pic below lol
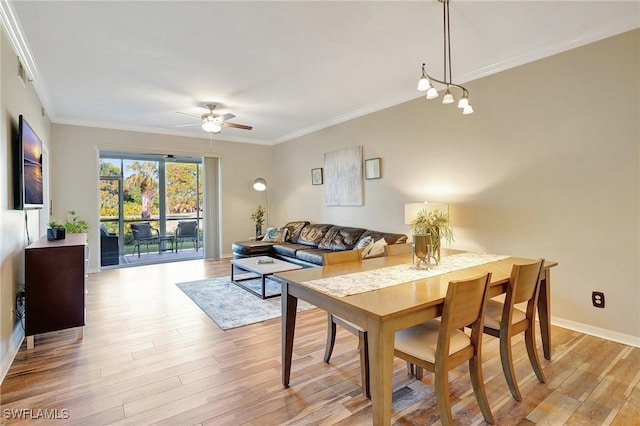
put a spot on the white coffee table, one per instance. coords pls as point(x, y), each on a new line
point(261, 266)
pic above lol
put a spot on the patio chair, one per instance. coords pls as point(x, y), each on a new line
point(143, 233)
point(187, 230)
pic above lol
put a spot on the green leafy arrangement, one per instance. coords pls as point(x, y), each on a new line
point(258, 215)
point(73, 225)
point(436, 223)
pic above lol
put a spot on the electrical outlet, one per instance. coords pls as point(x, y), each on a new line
point(597, 298)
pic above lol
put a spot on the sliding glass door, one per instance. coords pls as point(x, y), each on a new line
point(162, 191)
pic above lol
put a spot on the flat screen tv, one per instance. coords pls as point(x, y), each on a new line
point(27, 178)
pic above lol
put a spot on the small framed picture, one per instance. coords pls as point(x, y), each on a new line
point(372, 168)
point(316, 176)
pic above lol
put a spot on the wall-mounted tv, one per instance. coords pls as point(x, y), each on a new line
point(27, 176)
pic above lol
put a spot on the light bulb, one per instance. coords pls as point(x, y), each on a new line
point(467, 110)
point(423, 84)
point(432, 93)
point(448, 98)
point(462, 103)
point(211, 127)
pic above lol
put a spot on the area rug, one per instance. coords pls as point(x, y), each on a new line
point(230, 306)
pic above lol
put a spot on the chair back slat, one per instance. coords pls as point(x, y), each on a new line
point(394, 249)
point(464, 301)
point(187, 229)
point(524, 281)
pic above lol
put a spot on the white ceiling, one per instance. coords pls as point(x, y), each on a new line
point(286, 68)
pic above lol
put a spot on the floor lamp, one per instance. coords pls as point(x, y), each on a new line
point(261, 185)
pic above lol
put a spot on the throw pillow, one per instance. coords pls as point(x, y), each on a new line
point(377, 248)
point(276, 235)
point(365, 245)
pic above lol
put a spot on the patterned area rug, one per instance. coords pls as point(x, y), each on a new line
point(230, 306)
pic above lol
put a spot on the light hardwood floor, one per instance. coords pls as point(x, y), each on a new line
point(151, 356)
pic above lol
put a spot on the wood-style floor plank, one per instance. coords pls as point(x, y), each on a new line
point(151, 356)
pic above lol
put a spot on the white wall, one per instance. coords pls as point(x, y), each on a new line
point(16, 98)
point(74, 163)
point(547, 166)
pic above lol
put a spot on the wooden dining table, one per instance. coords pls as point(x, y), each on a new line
point(383, 311)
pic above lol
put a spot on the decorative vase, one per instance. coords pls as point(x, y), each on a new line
point(423, 251)
point(258, 230)
point(56, 234)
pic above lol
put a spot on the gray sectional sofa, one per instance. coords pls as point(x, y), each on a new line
point(306, 243)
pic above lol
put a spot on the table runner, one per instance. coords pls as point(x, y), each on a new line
point(360, 282)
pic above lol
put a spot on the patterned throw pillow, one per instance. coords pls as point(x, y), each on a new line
point(365, 244)
point(377, 248)
point(276, 235)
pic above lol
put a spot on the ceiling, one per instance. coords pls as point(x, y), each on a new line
point(286, 68)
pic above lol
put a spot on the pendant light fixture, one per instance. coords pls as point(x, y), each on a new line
point(426, 81)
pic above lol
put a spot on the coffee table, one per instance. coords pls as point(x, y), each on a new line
point(261, 266)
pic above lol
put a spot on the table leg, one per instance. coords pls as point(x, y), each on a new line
point(381, 337)
point(264, 291)
point(289, 308)
point(544, 313)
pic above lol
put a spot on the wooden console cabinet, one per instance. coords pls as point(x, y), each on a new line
point(54, 285)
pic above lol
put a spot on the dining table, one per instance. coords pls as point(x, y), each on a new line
point(386, 294)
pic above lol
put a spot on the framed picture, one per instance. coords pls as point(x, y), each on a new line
point(372, 168)
point(316, 176)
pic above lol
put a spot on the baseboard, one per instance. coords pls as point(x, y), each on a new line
point(14, 346)
point(614, 336)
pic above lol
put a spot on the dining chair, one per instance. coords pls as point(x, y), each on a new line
point(394, 249)
point(439, 345)
point(333, 258)
point(504, 320)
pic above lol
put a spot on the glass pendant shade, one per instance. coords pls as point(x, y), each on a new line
point(432, 93)
point(211, 127)
point(448, 98)
point(467, 110)
point(423, 84)
point(462, 103)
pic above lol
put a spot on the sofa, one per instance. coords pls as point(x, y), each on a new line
point(304, 243)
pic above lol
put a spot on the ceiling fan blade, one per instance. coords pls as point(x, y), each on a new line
point(225, 117)
point(189, 115)
point(185, 125)
point(237, 126)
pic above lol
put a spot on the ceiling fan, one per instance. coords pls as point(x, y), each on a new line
point(212, 122)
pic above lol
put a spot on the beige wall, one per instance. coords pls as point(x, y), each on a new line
point(16, 99)
point(547, 166)
point(74, 161)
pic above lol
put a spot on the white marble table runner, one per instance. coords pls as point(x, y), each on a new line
point(360, 282)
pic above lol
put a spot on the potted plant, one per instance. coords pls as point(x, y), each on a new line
point(433, 225)
point(258, 217)
point(56, 231)
point(75, 225)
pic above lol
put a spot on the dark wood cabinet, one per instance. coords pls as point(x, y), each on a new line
point(55, 285)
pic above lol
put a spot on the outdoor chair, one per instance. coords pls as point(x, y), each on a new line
point(333, 258)
point(187, 230)
point(504, 320)
point(143, 233)
point(439, 345)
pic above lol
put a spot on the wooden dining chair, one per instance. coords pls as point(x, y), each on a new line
point(394, 249)
point(439, 345)
point(504, 320)
point(333, 258)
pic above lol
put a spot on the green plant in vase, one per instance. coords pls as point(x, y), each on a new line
point(258, 217)
point(74, 224)
point(434, 223)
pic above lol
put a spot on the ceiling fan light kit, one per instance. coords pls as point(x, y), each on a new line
point(212, 123)
point(426, 81)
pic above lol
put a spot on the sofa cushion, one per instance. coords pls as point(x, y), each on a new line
point(376, 249)
point(315, 256)
point(390, 238)
point(294, 229)
point(251, 248)
point(365, 245)
point(312, 234)
point(340, 238)
point(288, 249)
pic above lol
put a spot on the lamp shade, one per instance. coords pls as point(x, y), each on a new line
point(411, 210)
point(260, 184)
